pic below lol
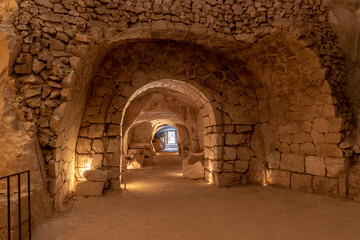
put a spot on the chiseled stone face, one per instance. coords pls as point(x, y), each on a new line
point(292, 162)
point(315, 165)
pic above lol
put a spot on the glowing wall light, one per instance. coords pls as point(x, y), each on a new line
point(266, 178)
point(211, 170)
point(84, 164)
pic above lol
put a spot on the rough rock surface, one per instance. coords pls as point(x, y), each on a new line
point(89, 188)
point(96, 175)
point(193, 168)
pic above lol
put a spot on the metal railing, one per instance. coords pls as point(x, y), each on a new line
point(19, 202)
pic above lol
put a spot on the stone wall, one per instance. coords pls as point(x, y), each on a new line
point(64, 43)
point(344, 18)
point(19, 149)
point(133, 66)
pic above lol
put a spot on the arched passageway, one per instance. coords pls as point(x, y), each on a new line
point(270, 76)
point(260, 85)
point(128, 93)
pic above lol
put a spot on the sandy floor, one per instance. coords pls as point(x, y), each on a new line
point(160, 204)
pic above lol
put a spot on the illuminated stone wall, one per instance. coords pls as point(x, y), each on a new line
point(270, 60)
point(221, 81)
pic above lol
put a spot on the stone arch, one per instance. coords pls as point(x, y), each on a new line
point(199, 98)
point(76, 45)
point(186, 90)
point(297, 139)
point(200, 68)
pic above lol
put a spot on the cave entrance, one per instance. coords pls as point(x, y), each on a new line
point(165, 139)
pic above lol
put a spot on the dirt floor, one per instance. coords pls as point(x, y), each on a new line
point(160, 204)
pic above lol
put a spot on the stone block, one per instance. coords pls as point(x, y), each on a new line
point(113, 145)
point(23, 68)
point(243, 153)
point(307, 148)
point(329, 111)
point(235, 139)
point(96, 131)
point(292, 162)
point(83, 145)
point(227, 179)
point(315, 165)
point(96, 161)
point(321, 125)
point(33, 102)
point(317, 137)
point(95, 175)
point(83, 132)
point(278, 178)
point(229, 153)
point(301, 182)
point(32, 79)
point(336, 166)
point(89, 188)
point(97, 145)
point(31, 91)
point(325, 185)
point(241, 166)
point(193, 171)
point(37, 66)
point(328, 150)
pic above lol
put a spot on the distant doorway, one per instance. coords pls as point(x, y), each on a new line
point(166, 139)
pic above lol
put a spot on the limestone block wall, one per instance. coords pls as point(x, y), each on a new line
point(298, 138)
point(132, 66)
point(344, 18)
point(64, 43)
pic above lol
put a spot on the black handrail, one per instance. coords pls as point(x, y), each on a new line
point(19, 202)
